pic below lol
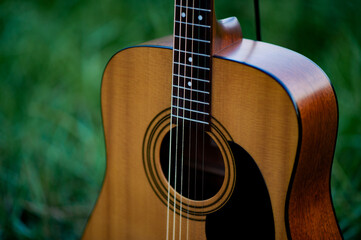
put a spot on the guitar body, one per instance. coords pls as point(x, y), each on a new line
point(274, 121)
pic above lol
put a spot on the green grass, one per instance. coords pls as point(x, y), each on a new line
point(52, 55)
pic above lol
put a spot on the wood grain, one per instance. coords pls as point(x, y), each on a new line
point(228, 31)
point(275, 103)
point(310, 212)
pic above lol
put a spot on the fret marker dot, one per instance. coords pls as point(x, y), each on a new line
point(190, 59)
point(200, 17)
point(183, 14)
point(189, 84)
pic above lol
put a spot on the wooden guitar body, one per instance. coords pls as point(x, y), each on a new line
point(274, 119)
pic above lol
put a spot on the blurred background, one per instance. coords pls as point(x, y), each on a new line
point(52, 56)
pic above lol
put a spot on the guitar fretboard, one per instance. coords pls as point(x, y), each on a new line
point(191, 89)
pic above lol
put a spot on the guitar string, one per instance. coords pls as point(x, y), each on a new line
point(206, 19)
point(197, 73)
point(171, 131)
point(191, 103)
point(170, 139)
point(183, 123)
point(203, 127)
point(177, 133)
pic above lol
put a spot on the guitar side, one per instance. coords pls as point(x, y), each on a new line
point(276, 104)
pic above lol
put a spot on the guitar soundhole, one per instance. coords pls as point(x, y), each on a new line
point(197, 167)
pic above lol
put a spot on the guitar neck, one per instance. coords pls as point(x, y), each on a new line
point(192, 61)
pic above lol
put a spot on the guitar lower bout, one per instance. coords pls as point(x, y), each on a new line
point(272, 110)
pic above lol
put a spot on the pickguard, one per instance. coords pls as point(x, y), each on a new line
point(248, 213)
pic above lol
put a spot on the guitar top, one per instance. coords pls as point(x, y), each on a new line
point(212, 136)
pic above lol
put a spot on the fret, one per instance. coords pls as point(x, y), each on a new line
point(190, 89)
point(190, 100)
point(194, 107)
point(189, 45)
point(192, 66)
point(189, 31)
point(194, 16)
point(191, 78)
point(194, 85)
point(191, 95)
point(193, 53)
point(193, 24)
point(190, 110)
point(203, 4)
point(194, 8)
point(189, 119)
point(192, 59)
point(193, 39)
point(192, 30)
point(188, 71)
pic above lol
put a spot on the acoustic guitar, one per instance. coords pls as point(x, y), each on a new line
point(213, 136)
